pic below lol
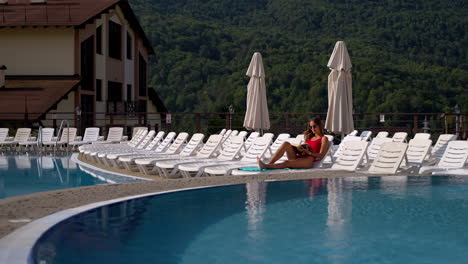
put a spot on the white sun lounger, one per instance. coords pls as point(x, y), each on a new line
point(454, 157)
point(352, 154)
point(365, 135)
point(400, 137)
point(389, 158)
point(229, 153)
point(440, 146)
point(259, 147)
point(249, 140)
point(354, 133)
point(111, 159)
point(168, 168)
point(177, 149)
point(108, 158)
point(114, 158)
point(417, 151)
point(382, 134)
point(112, 148)
point(45, 135)
point(276, 144)
point(374, 147)
point(87, 149)
point(3, 136)
point(22, 135)
point(91, 135)
point(114, 135)
point(422, 136)
point(68, 135)
point(221, 133)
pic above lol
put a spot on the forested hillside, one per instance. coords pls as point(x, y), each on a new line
point(408, 56)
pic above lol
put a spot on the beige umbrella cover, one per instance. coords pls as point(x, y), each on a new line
point(256, 115)
point(340, 97)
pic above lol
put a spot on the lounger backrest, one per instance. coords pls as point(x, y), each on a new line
point(258, 148)
point(114, 134)
point(222, 132)
point(22, 134)
point(139, 136)
point(279, 140)
point(365, 135)
point(146, 140)
point(226, 141)
point(231, 150)
point(226, 134)
point(382, 134)
point(345, 139)
point(441, 145)
point(166, 143)
point(135, 129)
point(156, 140)
point(243, 134)
point(417, 150)
point(210, 147)
point(400, 137)
point(422, 136)
point(354, 133)
point(250, 139)
point(68, 135)
point(269, 135)
point(351, 156)
point(193, 145)
point(178, 143)
point(455, 155)
point(46, 134)
point(301, 138)
point(375, 146)
point(3, 134)
point(91, 134)
point(389, 158)
point(319, 163)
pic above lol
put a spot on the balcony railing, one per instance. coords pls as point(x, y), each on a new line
point(118, 114)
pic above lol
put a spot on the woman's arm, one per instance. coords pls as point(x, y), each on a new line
point(323, 149)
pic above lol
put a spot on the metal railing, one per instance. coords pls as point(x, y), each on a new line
point(212, 122)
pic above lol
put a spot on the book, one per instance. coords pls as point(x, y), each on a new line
point(302, 148)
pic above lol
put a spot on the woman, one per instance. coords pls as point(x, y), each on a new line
point(300, 157)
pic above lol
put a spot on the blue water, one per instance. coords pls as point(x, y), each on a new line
point(358, 220)
point(26, 174)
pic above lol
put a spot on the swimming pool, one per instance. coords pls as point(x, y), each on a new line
point(24, 174)
point(350, 220)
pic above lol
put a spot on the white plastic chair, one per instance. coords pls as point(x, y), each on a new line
point(454, 157)
point(417, 151)
point(382, 134)
point(422, 136)
point(389, 158)
point(400, 137)
point(351, 155)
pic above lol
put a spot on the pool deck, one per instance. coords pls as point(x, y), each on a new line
point(18, 211)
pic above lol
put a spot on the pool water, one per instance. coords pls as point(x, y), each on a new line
point(352, 220)
point(26, 174)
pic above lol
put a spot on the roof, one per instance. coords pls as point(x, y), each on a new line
point(65, 13)
point(33, 95)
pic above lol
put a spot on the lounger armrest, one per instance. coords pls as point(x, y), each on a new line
point(79, 138)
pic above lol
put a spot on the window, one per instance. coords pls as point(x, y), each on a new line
point(142, 76)
point(129, 46)
point(114, 91)
point(99, 40)
point(115, 40)
point(98, 90)
point(129, 92)
point(87, 64)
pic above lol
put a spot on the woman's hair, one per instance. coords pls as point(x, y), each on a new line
point(308, 134)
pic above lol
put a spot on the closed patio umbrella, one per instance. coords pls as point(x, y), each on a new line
point(256, 115)
point(340, 97)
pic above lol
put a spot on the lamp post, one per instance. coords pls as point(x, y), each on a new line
point(78, 118)
point(231, 112)
point(457, 120)
point(425, 125)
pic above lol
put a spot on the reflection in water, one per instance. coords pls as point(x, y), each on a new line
point(395, 185)
point(314, 187)
point(255, 206)
point(339, 218)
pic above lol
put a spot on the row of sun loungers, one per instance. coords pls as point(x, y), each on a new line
point(174, 156)
point(67, 139)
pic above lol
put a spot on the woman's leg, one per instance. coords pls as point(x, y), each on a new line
point(285, 147)
point(302, 163)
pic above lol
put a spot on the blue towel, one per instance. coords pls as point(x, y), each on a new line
point(256, 169)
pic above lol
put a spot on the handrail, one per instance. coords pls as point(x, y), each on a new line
point(60, 133)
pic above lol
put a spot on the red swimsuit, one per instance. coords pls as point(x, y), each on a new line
point(315, 144)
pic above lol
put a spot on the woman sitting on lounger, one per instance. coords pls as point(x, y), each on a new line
point(301, 157)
